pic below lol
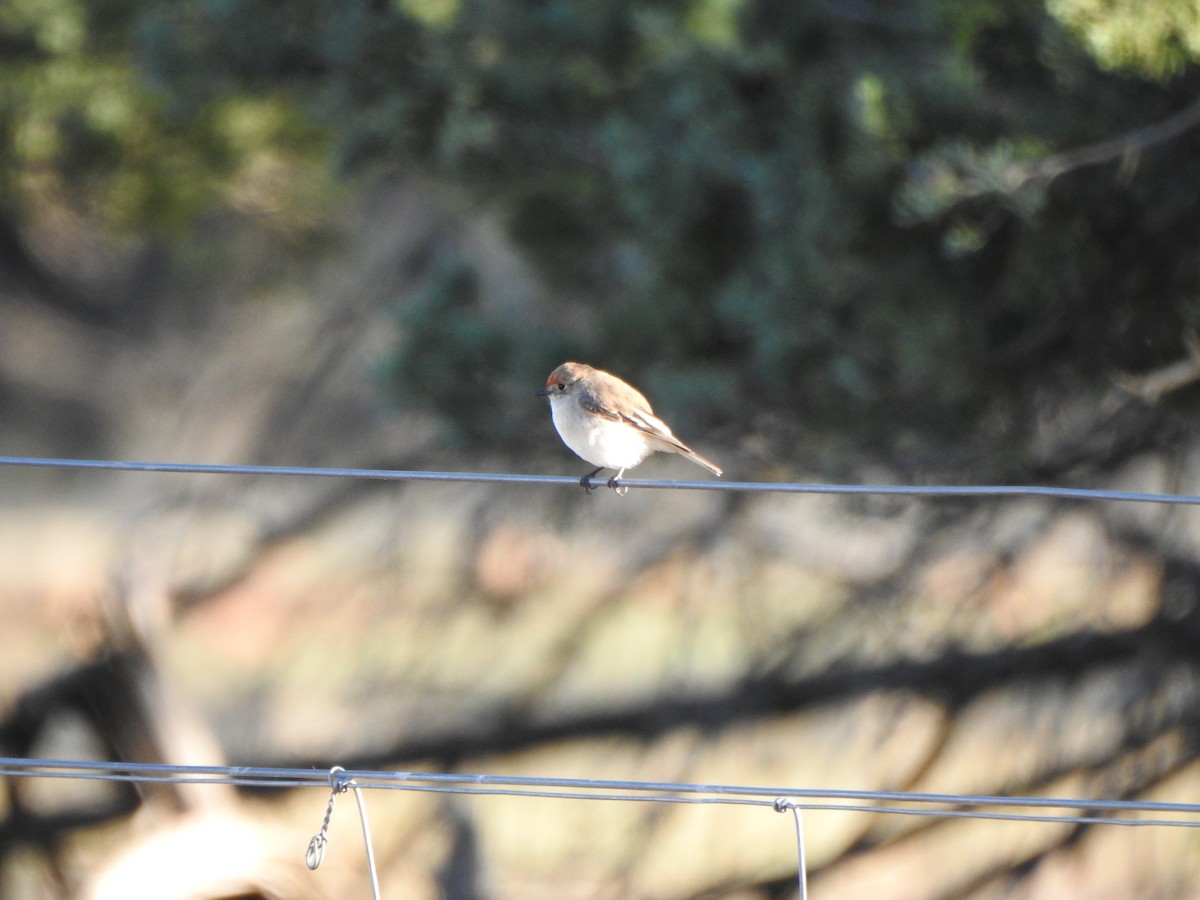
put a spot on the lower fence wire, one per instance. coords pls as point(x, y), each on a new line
point(1058, 810)
point(1077, 811)
point(1090, 810)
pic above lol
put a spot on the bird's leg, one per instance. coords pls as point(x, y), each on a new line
point(584, 482)
point(612, 483)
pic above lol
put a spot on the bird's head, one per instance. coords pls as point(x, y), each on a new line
point(562, 379)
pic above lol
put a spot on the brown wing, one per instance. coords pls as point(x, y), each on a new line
point(640, 418)
point(612, 394)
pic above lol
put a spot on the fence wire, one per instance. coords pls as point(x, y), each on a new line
point(1049, 810)
point(1030, 809)
point(755, 487)
point(1070, 810)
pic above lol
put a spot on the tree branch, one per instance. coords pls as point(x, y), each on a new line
point(1120, 147)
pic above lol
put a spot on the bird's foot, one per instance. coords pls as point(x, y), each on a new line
point(616, 485)
point(586, 481)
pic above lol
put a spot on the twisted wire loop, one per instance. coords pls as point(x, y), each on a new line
point(339, 784)
point(316, 851)
point(782, 804)
point(315, 854)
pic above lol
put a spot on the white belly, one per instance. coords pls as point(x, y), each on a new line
point(602, 442)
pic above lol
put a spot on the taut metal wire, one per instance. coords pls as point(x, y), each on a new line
point(758, 487)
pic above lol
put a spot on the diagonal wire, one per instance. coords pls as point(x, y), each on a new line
point(761, 487)
point(1090, 810)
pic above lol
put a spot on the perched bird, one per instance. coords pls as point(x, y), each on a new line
point(608, 422)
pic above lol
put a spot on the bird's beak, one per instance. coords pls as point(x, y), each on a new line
point(542, 393)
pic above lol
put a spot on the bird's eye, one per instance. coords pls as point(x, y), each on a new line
point(561, 386)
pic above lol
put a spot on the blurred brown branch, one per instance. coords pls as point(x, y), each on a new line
point(1121, 147)
point(1152, 385)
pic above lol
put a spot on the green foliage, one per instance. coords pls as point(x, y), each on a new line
point(454, 351)
point(820, 211)
point(951, 173)
point(443, 323)
point(824, 206)
point(81, 127)
point(1157, 39)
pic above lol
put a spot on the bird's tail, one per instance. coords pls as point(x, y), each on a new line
point(697, 458)
point(671, 444)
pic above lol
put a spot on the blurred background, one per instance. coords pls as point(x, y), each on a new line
point(917, 241)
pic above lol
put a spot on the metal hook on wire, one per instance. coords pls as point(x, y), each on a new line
point(339, 784)
point(782, 804)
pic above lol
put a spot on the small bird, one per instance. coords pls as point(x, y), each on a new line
point(608, 423)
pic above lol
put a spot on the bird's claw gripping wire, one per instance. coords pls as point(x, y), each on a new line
point(586, 482)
